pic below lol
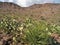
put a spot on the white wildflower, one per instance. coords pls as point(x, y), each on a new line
point(1, 22)
point(21, 28)
point(49, 33)
point(14, 20)
point(46, 29)
point(14, 38)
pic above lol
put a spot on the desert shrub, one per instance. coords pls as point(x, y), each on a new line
point(36, 33)
point(39, 32)
point(11, 26)
point(30, 32)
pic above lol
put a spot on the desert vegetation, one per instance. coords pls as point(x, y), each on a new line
point(28, 32)
point(35, 25)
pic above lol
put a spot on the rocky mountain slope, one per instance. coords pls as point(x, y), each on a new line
point(48, 12)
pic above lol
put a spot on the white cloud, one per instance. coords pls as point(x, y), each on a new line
point(2, 0)
point(10, 0)
point(26, 3)
point(48, 1)
point(21, 2)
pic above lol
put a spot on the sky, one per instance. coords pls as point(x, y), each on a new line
point(27, 3)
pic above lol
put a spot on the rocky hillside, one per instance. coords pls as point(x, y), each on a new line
point(48, 12)
point(10, 29)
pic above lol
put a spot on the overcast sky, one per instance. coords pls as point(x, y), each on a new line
point(26, 3)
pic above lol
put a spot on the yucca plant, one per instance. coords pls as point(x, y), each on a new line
point(36, 33)
point(39, 33)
